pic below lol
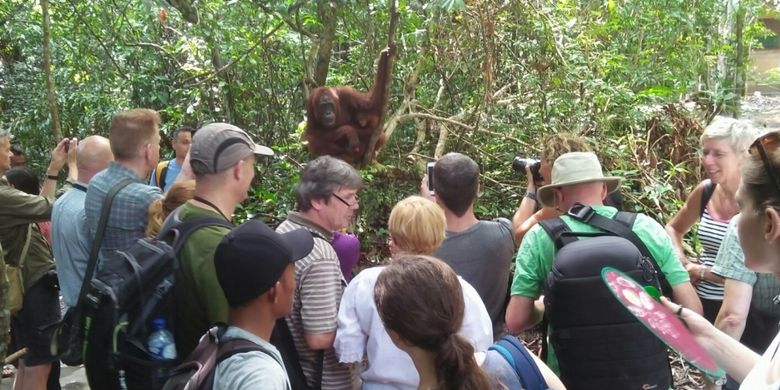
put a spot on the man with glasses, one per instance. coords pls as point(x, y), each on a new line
point(327, 200)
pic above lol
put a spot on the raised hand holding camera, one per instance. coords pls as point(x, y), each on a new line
point(522, 164)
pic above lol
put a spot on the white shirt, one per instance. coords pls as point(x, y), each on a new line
point(757, 378)
point(361, 333)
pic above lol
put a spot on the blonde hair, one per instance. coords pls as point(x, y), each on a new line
point(417, 225)
point(179, 193)
point(562, 143)
point(739, 133)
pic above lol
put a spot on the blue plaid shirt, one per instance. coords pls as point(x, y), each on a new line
point(128, 216)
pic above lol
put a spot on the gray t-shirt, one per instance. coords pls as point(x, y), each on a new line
point(483, 255)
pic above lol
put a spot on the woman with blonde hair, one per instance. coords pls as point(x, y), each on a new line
point(758, 228)
point(712, 204)
point(179, 193)
point(417, 226)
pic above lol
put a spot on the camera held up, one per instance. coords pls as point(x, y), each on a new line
point(519, 164)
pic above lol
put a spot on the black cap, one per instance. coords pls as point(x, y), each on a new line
point(251, 258)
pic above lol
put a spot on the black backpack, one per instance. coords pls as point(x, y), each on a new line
point(599, 344)
point(198, 369)
point(132, 288)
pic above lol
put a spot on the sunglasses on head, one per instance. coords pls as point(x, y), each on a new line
point(762, 147)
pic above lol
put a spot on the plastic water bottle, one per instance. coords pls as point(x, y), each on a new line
point(160, 343)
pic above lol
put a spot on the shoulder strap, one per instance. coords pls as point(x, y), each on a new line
point(101, 228)
point(161, 172)
point(236, 346)
point(26, 246)
point(182, 230)
point(706, 195)
point(282, 339)
point(555, 228)
point(620, 226)
point(518, 357)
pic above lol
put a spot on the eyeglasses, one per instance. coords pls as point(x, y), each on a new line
point(350, 205)
point(763, 146)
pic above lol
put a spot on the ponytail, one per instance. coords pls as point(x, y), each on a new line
point(456, 367)
point(421, 299)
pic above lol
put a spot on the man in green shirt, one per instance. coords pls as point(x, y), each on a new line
point(222, 157)
point(577, 178)
point(20, 235)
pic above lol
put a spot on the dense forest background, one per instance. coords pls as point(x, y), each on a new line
point(487, 78)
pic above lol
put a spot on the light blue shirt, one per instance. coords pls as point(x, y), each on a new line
point(170, 175)
point(70, 242)
point(254, 370)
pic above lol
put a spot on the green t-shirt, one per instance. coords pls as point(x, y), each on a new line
point(201, 302)
point(537, 252)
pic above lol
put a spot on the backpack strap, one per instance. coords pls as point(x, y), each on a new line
point(182, 230)
point(621, 227)
point(556, 229)
point(706, 195)
point(98, 239)
point(237, 346)
point(524, 365)
point(25, 248)
point(160, 172)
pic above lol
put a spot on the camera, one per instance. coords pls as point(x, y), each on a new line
point(429, 168)
point(519, 164)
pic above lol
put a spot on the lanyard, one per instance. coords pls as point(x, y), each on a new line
point(206, 202)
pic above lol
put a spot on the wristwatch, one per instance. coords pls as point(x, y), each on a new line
point(530, 195)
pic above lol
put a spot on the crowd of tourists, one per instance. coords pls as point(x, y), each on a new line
point(280, 308)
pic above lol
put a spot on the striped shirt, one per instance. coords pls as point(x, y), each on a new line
point(319, 286)
point(731, 264)
point(711, 233)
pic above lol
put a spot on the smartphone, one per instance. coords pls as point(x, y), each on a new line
point(67, 145)
point(429, 166)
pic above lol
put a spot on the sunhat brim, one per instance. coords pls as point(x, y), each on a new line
point(546, 195)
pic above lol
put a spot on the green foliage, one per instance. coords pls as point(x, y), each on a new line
point(510, 73)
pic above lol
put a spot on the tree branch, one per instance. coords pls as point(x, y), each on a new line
point(371, 147)
point(158, 47)
point(294, 25)
point(234, 61)
point(100, 41)
point(51, 97)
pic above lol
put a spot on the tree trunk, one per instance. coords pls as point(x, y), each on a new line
point(50, 95)
point(740, 63)
point(326, 11)
point(228, 100)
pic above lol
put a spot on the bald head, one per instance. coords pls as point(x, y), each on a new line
point(93, 155)
point(590, 194)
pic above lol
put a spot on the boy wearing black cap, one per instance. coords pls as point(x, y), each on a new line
point(254, 266)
